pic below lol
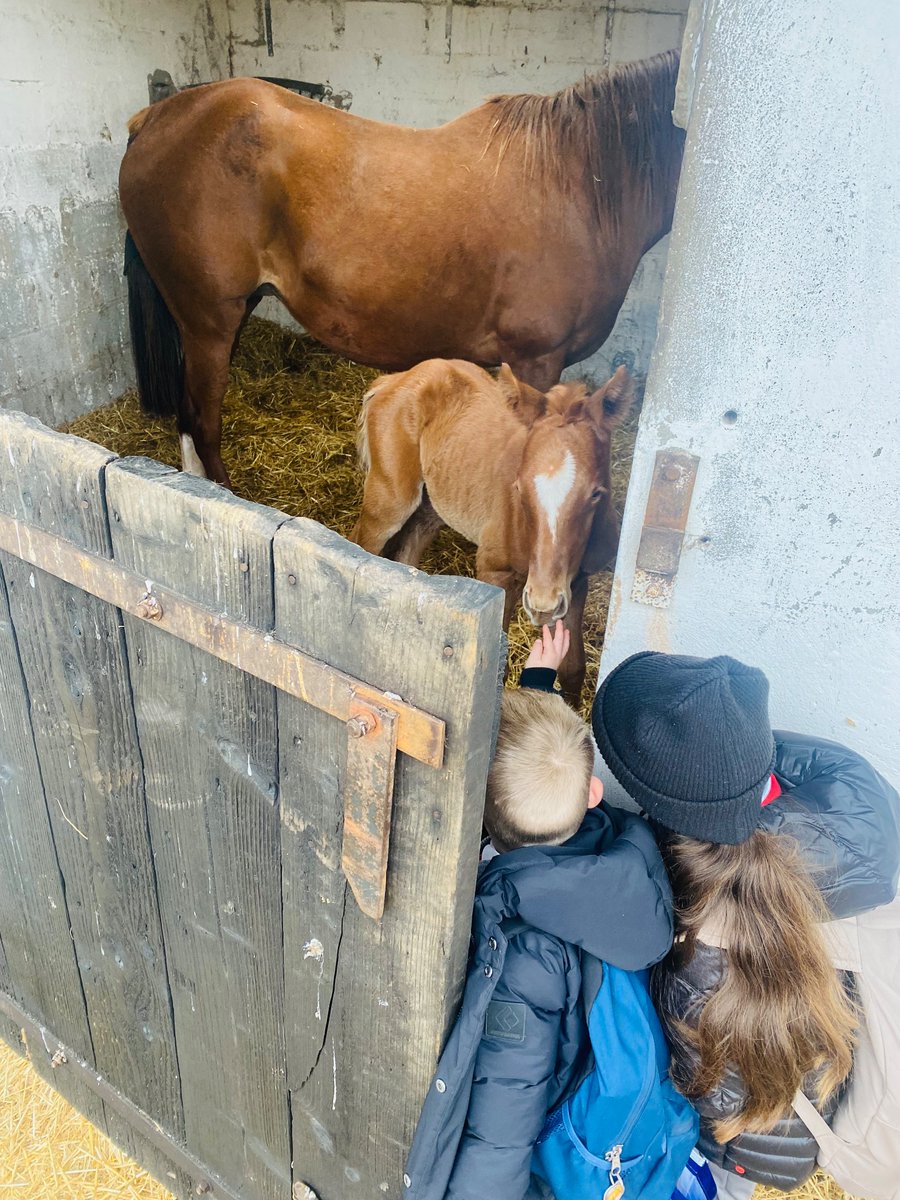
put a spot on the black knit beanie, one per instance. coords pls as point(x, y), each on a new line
point(689, 739)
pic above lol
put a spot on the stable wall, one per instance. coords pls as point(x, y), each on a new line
point(781, 308)
point(71, 73)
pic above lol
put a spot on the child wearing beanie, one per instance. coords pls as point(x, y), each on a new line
point(776, 843)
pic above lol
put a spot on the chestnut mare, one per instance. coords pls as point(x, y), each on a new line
point(522, 475)
point(510, 234)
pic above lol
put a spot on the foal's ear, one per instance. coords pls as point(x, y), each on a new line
point(526, 402)
point(611, 404)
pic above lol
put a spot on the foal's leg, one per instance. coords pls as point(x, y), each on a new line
point(388, 501)
point(416, 535)
point(207, 355)
point(571, 669)
point(493, 567)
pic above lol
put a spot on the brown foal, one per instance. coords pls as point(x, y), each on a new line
point(523, 475)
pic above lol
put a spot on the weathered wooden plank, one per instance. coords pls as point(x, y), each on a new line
point(209, 740)
point(252, 650)
point(41, 970)
point(367, 1004)
point(72, 654)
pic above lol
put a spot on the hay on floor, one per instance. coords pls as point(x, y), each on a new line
point(49, 1149)
point(289, 441)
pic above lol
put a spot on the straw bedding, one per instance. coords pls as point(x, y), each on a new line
point(48, 1149)
point(289, 441)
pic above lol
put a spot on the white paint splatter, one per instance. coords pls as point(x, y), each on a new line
point(334, 1074)
point(315, 950)
point(31, 579)
point(553, 488)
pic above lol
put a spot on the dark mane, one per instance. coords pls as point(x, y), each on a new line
point(615, 125)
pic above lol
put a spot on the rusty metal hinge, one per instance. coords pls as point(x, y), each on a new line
point(665, 520)
point(368, 800)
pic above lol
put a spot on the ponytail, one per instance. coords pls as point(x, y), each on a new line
point(780, 1010)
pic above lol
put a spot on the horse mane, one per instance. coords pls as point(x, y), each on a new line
point(617, 123)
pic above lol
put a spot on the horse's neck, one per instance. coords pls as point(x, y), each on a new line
point(644, 159)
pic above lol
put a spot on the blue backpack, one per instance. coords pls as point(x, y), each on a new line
point(625, 1130)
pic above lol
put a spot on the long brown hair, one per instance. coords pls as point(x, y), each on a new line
point(780, 1011)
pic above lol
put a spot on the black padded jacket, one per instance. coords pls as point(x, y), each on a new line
point(846, 819)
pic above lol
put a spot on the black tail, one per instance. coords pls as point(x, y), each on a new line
point(155, 340)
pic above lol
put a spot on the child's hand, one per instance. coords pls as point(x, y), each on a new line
point(550, 649)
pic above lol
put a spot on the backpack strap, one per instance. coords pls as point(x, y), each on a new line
point(814, 1121)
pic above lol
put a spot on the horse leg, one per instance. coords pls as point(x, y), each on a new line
point(491, 567)
point(207, 356)
point(571, 669)
point(410, 544)
point(387, 504)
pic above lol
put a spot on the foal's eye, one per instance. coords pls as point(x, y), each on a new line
point(598, 493)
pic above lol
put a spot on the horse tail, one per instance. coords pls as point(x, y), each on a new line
point(363, 449)
point(155, 340)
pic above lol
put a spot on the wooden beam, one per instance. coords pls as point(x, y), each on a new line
point(419, 734)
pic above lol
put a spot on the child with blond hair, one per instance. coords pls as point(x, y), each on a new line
point(564, 880)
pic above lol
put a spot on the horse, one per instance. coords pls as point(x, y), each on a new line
point(509, 234)
point(523, 475)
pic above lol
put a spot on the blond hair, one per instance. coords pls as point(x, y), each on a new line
point(537, 788)
point(780, 1010)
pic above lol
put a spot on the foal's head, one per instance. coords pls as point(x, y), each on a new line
point(564, 486)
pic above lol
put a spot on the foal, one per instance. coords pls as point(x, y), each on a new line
point(523, 475)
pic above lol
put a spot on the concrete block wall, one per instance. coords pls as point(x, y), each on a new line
point(71, 73)
point(422, 64)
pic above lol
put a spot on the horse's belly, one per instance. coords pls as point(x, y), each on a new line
point(461, 502)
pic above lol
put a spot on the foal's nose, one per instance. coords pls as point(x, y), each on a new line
point(545, 616)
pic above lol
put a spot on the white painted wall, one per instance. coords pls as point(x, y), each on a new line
point(782, 303)
point(71, 73)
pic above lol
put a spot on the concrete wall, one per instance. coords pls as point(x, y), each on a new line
point(781, 306)
point(422, 64)
point(71, 73)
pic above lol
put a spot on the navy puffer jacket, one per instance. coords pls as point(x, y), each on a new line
point(846, 819)
point(520, 1039)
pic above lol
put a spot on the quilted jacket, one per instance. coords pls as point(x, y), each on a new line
point(519, 1042)
point(846, 820)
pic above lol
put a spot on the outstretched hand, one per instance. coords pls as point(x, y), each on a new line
point(550, 648)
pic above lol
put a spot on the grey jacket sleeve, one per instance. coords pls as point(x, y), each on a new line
point(514, 1070)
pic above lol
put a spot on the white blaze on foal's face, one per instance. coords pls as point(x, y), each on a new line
point(552, 489)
